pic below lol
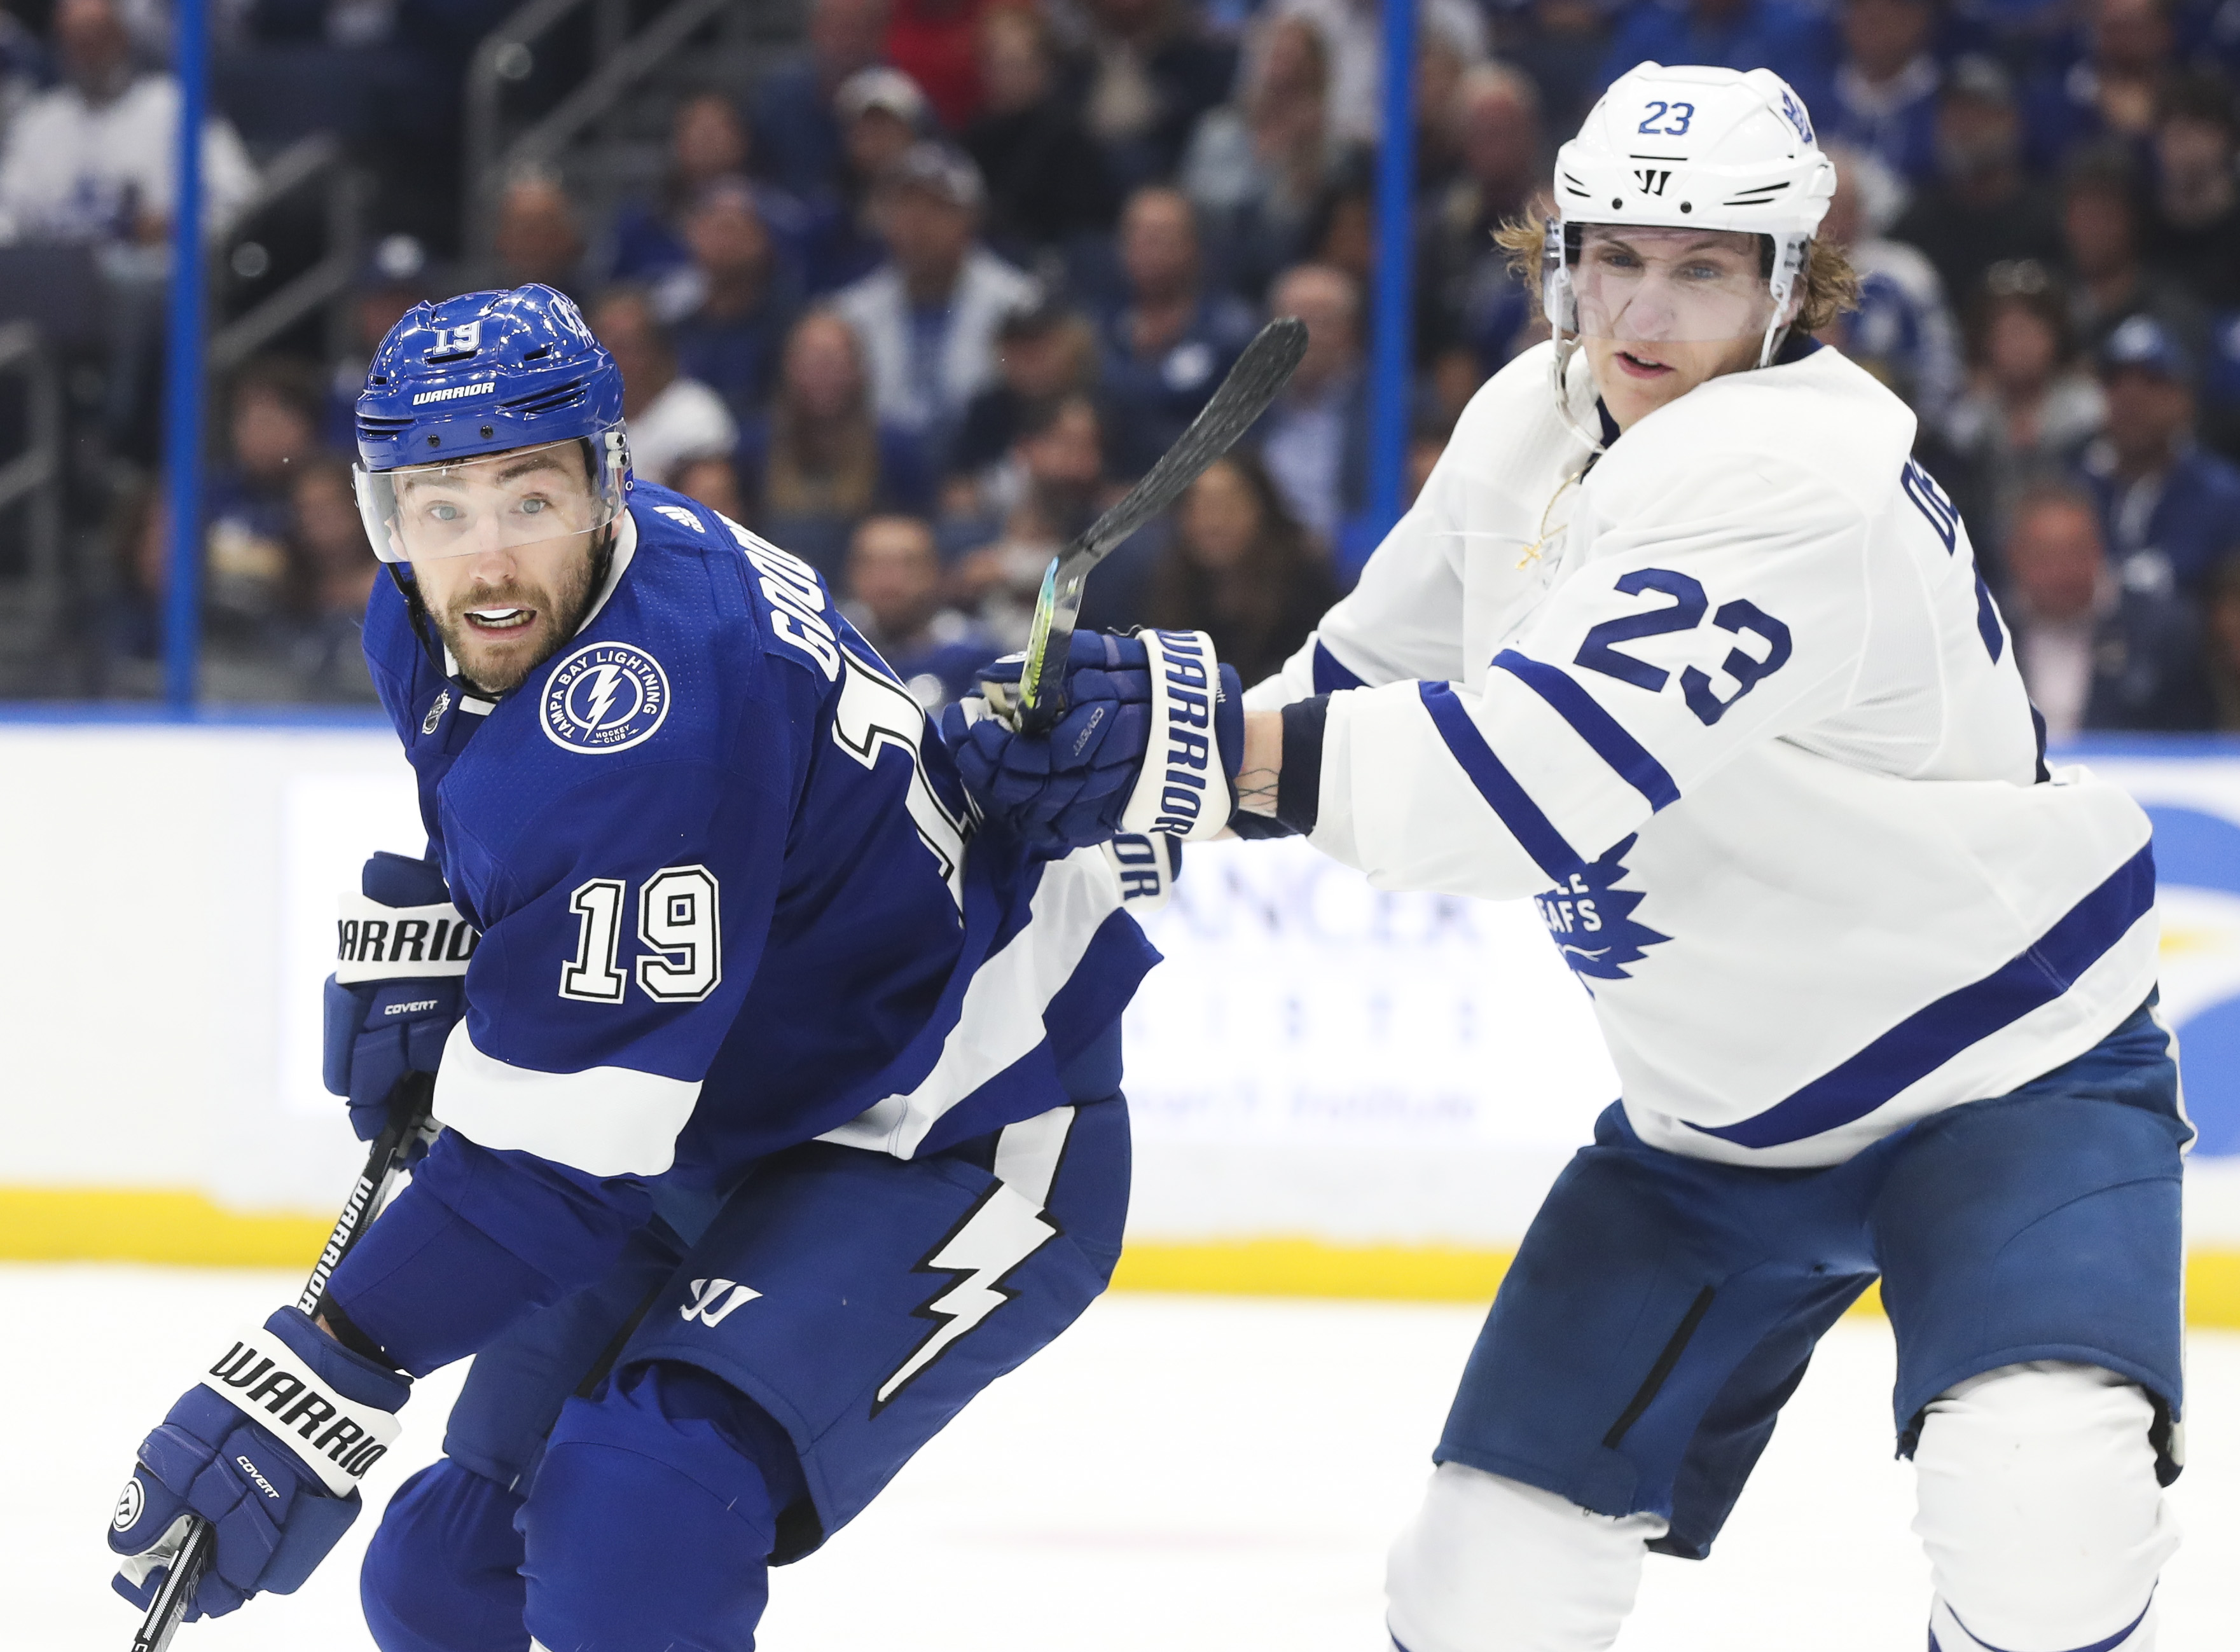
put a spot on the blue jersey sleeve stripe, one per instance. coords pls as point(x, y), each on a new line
point(1330, 675)
point(1593, 725)
point(1931, 1037)
point(1498, 786)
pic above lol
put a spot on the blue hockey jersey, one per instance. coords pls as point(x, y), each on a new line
point(731, 900)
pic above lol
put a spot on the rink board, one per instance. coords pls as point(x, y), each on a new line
point(1336, 1091)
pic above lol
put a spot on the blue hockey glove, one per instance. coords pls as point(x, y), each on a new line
point(269, 1448)
point(397, 985)
point(1150, 741)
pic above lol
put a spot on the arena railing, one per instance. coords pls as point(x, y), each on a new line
point(508, 55)
point(33, 479)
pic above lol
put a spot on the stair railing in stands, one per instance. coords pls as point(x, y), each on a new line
point(507, 55)
point(315, 162)
point(35, 477)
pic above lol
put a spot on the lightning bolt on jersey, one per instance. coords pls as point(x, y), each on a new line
point(1734, 703)
point(730, 893)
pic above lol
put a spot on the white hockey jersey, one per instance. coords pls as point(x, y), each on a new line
point(1739, 708)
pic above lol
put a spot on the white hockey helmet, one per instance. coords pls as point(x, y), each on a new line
point(1691, 148)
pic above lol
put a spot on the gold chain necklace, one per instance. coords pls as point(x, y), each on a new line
point(1532, 551)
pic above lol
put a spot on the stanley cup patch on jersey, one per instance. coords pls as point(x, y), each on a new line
point(606, 697)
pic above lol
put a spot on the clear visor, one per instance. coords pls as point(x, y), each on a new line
point(499, 502)
point(1662, 286)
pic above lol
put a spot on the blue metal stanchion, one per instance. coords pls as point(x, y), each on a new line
point(1390, 341)
point(183, 371)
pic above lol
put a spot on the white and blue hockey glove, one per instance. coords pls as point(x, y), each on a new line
point(398, 984)
point(1150, 741)
point(269, 1448)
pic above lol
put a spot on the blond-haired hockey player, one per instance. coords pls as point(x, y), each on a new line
point(1680, 639)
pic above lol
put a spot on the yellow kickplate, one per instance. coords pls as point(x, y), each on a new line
point(187, 1230)
point(100, 1224)
point(1434, 1274)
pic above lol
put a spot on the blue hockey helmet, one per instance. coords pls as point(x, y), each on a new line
point(478, 375)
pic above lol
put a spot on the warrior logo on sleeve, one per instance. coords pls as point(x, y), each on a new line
point(606, 697)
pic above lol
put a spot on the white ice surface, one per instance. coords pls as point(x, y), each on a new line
point(1179, 1472)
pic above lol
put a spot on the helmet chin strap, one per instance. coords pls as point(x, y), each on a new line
point(1559, 380)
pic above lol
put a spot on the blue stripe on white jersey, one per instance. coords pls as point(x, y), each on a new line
point(1925, 1041)
point(1498, 786)
point(1595, 726)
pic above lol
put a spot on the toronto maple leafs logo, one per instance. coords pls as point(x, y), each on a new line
point(1797, 117)
point(1592, 919)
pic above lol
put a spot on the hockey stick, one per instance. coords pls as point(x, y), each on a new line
point(408, 1116)
point(1260, 373)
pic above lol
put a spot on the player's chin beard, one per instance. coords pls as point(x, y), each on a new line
point(498, 662)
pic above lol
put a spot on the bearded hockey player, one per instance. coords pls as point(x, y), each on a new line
point(781, 1107)
point(1679, 639)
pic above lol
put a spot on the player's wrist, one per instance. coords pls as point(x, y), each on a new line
point(1260, 770)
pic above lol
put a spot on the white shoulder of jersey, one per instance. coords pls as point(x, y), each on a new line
point(1484, 503)
point(1823, 418)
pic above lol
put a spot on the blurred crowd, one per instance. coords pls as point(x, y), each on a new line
point(927, 298)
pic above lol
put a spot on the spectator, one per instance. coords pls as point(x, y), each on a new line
point(1314, 439)
point(398, 276)
point(94, 159)
point(1344, 231)
point(334, 569)
point(933, 42)
point(1901, 330)
point(272, 426)
point(2169, 509)
point(2029, 410)
point(742, 300)
point(1152, 75)
point(928, 317)
point(1056, 465)
point(1882, 98)
point(2110, 96)
point(1257, 168)
point(1241, 569)
point(1725, 34)
point(1982, 207)
point(674, 421)
point(1043, 353)
point(1051, 488)
point(707, 140)
point(883, 114)
point(2108, 283)
point(714, 482)
point(1469, 304)
point(2220, 626)
point(2193, 228)
point(1354, 30)
point(1439, 69)
point(796, 122)
point(824, 460)
point(1167, 347)
point(894, 599)
point(2095, 651)
point(1046, 181)
point(537, 237)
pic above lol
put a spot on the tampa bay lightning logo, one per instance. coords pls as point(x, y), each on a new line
point(1592, 919)
point(606, 697)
